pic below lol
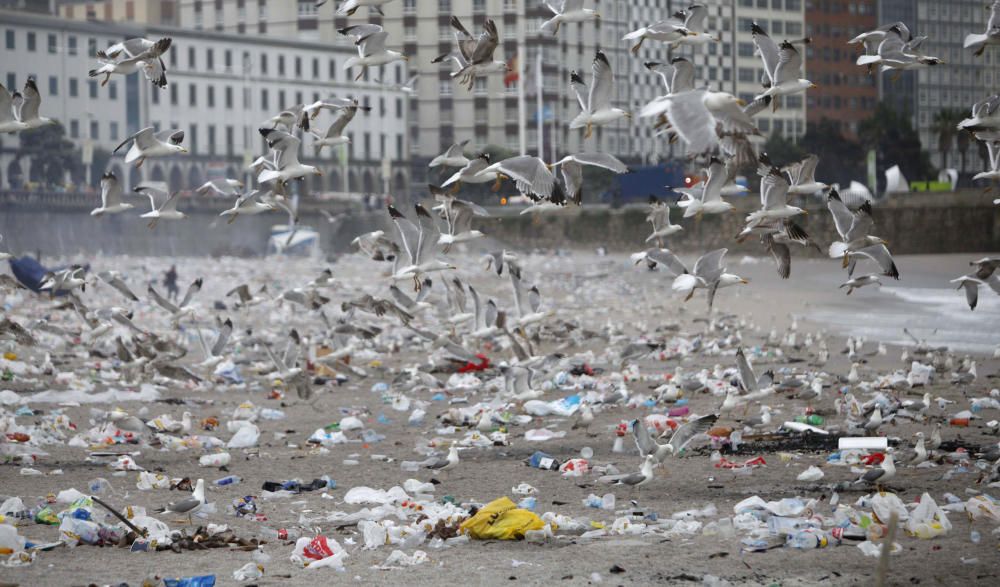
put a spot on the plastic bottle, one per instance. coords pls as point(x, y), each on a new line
point(228, 480)
point(807, 540)
point(811, 419)
point(280, 533)
point(528, 503)
point(608, 501)
point(975, 537)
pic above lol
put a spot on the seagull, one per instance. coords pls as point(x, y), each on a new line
point(993, 149)
point(349, 7)
point(246, 299)
point(412, 306)
point(458, 214)
point(111, 197)
point(659, 217)
point(702, 118)
point(222, 186)
point(666, 31)
point(858, 282)
point(420, 243)
point(853, 228)
point(567, 11)
point(474, 172)
point(189, 506)
point(147, 143)
point(213, 355)
point(694, 21)
point(335, 132)
point(248, 205)
point(571, 169)
point(919, 451)
point(286, 159)
point(449, 462)
point(134, 55)
point(9, 121)
point(879, 475)
point(453, 157)
point(679, 440)
point(749, 381)
point(180, 310)
point(65, 280)
point(782, 66)
point(898, 54)
point(773, 197)
point(370, 39)
point(475, 56)
point(802, 176)
point(596, 108)
point(985, 115)
point(655, 257)
point(709, 273)
point(708, 198)
point(27, 112)
point(978, 42)
point(114, 279)
point(376, 246)
point(485, 323)
point(454, 291)
point(645, 475)
point(165, 211)
point(290, 118)
point(971, 285)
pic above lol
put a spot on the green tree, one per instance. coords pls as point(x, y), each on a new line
point(782, 151)
point(963, 140)
point(52, 155)
point(944, 127)
point(840, 159)
point(895, 141)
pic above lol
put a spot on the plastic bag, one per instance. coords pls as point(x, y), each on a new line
point(10, 541)
point(813, 473)
point(398, 558)
point(501, 519)
point(246, 437)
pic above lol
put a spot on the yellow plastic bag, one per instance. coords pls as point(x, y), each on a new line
point(501, 519)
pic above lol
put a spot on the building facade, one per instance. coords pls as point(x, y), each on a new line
point(221, 89)
point(159, 12)
point(846, 94)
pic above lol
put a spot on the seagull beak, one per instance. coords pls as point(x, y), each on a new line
point(319, 173)
point(813, 86)
point(628, 115)
point(183, 150)
point(406, 58)
point(741, 102)
point(597, 15)
point(744, 281)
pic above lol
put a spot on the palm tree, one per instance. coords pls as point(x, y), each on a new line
point(944, 128)
point(963, 139)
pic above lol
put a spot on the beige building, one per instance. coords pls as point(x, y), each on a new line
point(157, 12)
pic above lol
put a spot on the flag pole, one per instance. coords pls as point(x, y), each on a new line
point(521, 106)
point(539, 109)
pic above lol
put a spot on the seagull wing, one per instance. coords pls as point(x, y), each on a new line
point(643, 441)
point(789, 64)
point(529, 173)
point(667, 258)
point(842, 216)
point(881, 255)
point(579, 89)
point(192, 289)
point(162, 301)
point(487, 44)
point(747, 376)
point(220, 341)
point(692, 121)
point(602, 85)
point(768, 50)
point(710, 265)
point(686, 433)
point(32, 100)
point(408, 233)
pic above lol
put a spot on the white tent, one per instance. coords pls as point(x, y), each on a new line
point(894, 181)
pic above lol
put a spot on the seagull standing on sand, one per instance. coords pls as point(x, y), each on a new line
point(189, 506)
point(447, 463)
point(645, 475)
point(879, 475)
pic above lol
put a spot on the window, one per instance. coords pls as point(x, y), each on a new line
point(399, 107)
point(333, 69)
point(92, 89)
point(229, 97)
point(793, 29)
point(298, 67)
point(230, 140)
point(246, 98)
point(71, 45)
point(281, 99)
point(368, 145)
point(263, 63)
point(95, 130)
point(155, 96)
point(265, 103)
point(74, 87)
point(480, 86)
point(281, 65)
point(74, 129)
point(209, 60)
point(410, 32)
point(399, 146)
point(510, 5)
point(478, 6)
point(796, 5)
point(91, 46)
point(10, 38)
point(192, 135)
point(409, 6)
point(53, 44)
point(211, 139)
point(31, 42)
point(315, 68)
point(745, 49)
point(114, 131)
point(444, 6)
point(228, 59)
point(192, 95)
point(112, 90)
point(211, 97)
point(381, 106)
point(173, 94)
point(53, 85)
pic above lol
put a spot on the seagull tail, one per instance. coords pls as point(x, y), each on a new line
point(975, 41)
point(580, 121)
point(684, 283)
point(837, 249)
point(551, 26)
point(268, 175)
point(869, 59)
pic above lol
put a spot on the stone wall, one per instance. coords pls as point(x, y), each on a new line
point(60, 224)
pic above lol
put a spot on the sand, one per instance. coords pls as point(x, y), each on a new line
point(598, 291)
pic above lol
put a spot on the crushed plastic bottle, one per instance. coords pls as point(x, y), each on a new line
point(227, 480)
point(280, 533)
point(807, 539)
point(196, 581)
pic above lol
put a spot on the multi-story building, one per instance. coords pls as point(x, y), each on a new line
point(846, 94)
point(159, 12)
point(222, 87)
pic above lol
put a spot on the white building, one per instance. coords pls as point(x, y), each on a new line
point(221, 89)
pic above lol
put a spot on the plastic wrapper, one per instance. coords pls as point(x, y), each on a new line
point(501, 519)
